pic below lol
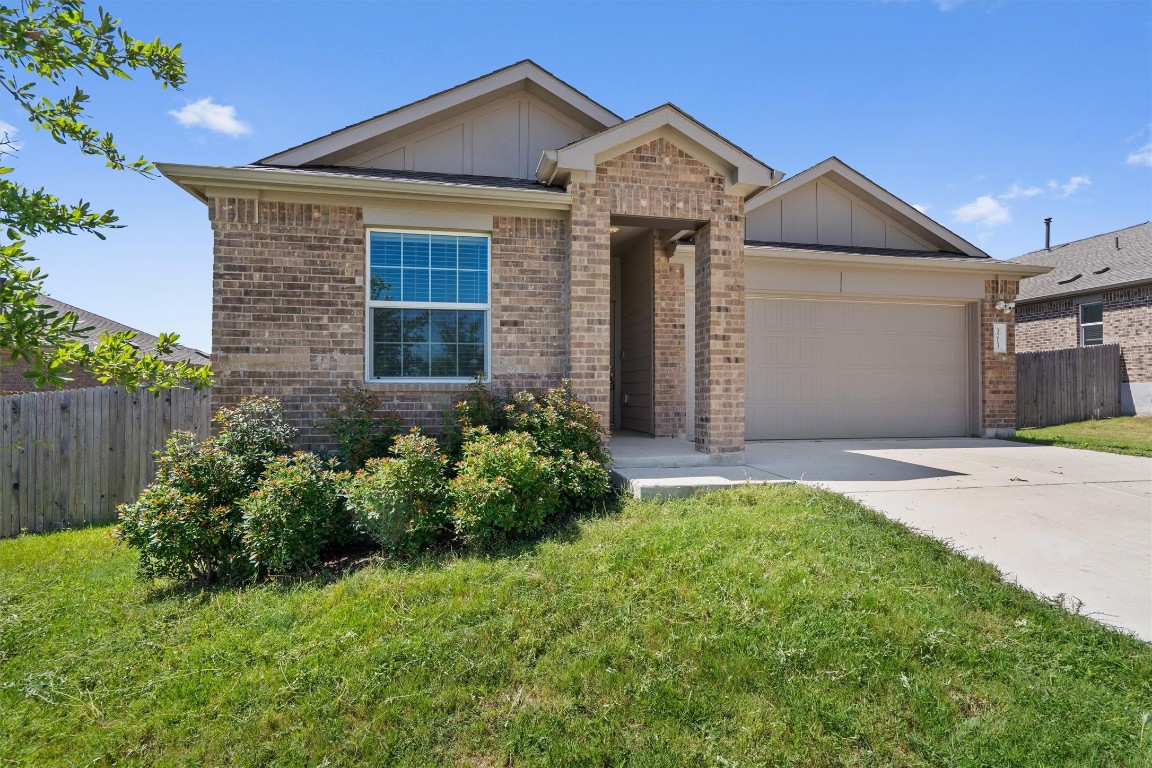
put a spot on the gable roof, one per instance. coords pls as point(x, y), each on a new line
point(843, 175)
point(143, 341)
point(692, 136)
point(523, 75)
point(1109, 260)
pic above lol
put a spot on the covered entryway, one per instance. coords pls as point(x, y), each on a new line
point(824, 368)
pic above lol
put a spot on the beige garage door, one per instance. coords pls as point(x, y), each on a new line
point(825, 369)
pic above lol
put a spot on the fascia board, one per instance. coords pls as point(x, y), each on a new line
point(434, 106)
point(984, 266)
point(196, 178)
point(864, 185)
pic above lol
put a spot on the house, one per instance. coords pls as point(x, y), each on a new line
point(12, 378)
point(514, 226)
point(1098, 292)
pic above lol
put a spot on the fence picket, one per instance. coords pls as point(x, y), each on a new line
point(71, 456)
point(1063, 385)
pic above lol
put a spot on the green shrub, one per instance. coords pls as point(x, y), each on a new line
point(186, 523)
point(360, 429)
point(254, 430)
point(480, 407)
point(293, 514)
point(568, 432)
point(503, 486)
point(401, 502)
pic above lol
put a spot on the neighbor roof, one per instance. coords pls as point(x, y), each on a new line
point(1113, 259)
point(144, 341)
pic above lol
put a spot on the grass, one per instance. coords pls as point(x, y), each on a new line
point(758, 626)
point(1131, 435)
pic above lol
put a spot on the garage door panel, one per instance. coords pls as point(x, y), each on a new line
point(855, 369)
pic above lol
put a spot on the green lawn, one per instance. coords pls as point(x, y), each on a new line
point(1130, 435)
point(758, 626)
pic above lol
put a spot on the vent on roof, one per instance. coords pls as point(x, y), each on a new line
point(1101, 271)
point(1072, 279)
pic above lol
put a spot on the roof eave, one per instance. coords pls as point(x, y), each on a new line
point(1084, 291)
point(196, 179)
point(983, 266)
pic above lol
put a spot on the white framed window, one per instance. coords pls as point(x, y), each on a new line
point(1092, 324)
point(428, 306)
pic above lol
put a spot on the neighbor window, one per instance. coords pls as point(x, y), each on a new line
point(1091, 324)
point(427, 305)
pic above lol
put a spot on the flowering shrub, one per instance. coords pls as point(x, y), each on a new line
point(401, 502)
point(255, 431)
point(479, 408)
point(360, 429)
point(568, 432)
point(503, 486)
point(293, 514)
point(186, 523)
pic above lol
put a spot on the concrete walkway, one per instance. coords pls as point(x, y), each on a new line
point(1058, 521)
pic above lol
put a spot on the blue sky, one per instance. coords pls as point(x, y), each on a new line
point(989, 115)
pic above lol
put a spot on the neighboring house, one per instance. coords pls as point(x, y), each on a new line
point(12, 377)
point(512, 225)
point(1098, 292)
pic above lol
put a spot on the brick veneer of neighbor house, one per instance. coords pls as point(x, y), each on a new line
point(288, 314)
point(1055, 324)
point(997, 370)
point(659, 180)
point(12, 379)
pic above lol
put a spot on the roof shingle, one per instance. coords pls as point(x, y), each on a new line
point(1092, 264)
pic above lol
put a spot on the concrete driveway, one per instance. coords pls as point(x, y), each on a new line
point(1058, 521)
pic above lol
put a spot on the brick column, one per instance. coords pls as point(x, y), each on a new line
point(590, 297)
point(997, 370)
point(669, 418)
point(720, 329)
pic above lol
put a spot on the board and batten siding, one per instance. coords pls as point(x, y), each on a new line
point(501, 138)
point(70, 457)
point(821, 213)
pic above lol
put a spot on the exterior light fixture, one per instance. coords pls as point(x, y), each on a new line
point(1005, 306)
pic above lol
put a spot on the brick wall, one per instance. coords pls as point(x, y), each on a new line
point(669, 417)
point(1055, 324)
point(659, 180)
point(288, 310)
point(997, 370)
point(12, 379)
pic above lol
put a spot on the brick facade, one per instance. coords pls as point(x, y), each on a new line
point(997, 370)
point(289, 321)
point(12, 379)
point(1055, 324)
point(669, 416)
point(659, 180)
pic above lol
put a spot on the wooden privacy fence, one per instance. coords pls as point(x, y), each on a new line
point(1064, 385)
point(69, 457)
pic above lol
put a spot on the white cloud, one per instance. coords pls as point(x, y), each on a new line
point(206, 113)
point(1142, 156)
point(8, 133)
point(922, 207)
point(985, 210)
point(1066, 190)
point(1018, 191)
